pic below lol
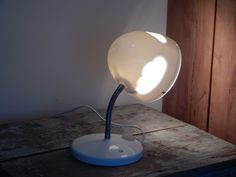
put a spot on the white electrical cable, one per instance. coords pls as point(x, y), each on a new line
point(63, 114)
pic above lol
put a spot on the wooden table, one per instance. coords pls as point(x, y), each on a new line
point(41, 147)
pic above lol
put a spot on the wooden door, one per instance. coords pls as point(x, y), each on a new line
point(191, 24)
point(222, 119)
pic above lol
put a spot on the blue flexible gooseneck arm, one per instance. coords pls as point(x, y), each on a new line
point(112, 101)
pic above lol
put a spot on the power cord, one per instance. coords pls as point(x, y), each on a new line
point(63, 114)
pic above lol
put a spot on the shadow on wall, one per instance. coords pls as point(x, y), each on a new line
point(53, 53)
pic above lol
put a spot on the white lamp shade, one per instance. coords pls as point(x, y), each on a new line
point(146, 63)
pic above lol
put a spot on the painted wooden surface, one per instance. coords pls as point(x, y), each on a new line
point(29, 137)
point(222, 119)
point(191, 24)
point(40, 148)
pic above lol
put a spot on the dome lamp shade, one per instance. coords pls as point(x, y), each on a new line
point(146, 63)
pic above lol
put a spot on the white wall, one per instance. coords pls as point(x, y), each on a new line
point(53, 52)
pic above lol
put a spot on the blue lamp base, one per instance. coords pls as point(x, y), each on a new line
point(116, 151)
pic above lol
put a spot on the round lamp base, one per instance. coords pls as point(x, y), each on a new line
point(116, 151)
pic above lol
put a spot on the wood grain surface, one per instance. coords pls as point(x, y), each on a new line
point(47, 134)
point(41, 147)
point(222, 119)
point(191, 24)
point(166, 152)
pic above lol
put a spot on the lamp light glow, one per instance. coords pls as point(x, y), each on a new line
point(160, 37)
point(146, 65)
point(152, 74)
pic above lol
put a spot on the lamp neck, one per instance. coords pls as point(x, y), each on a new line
point(112, 101)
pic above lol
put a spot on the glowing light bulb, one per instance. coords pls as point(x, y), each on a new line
point(152, 74)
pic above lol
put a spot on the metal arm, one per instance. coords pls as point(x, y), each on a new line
point(117, 92)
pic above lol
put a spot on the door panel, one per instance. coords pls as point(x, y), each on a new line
point(191, 24)
point(222, 119)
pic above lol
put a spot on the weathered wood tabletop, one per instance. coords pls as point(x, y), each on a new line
point(41, 147)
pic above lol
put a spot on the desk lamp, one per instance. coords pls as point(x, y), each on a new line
point(145, 65)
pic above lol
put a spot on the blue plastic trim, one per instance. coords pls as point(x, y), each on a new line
point(107, 162)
